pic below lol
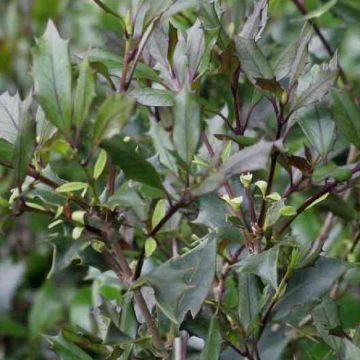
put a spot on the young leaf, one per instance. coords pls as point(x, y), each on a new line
point(100, 164)
point(347, 116)
point(152, 97)
point(71, 186)
point(52, 77)
point(134, 166)
point(159, 212)
point(213, 341)
point(252, 60)
point(254, 157)
point(111, 117)
point(150, 246)
point(84, 93)
point(182, 283)
point(186, 125)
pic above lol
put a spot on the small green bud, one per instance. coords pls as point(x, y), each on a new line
point(234, 202)
point(246, 179)
point(78, 216)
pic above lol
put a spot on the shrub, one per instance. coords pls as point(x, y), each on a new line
point(199, 192)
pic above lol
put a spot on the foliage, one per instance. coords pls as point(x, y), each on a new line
point(179, 179)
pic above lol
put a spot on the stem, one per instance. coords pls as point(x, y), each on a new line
point(270, 179)
point(173, 209)
point(43, 179)
point(127, 57)
point(111, 179)
point(237, 107)
point(251, 204)
point(303, 207)
point(112, 238)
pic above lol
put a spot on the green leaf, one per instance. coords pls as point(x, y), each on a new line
point(52, 77)
point(255, 23)
point(309, 284)
point(10, 116)
point(315, 85)
point(25, 142)
point(213, 341)
point(252, 61)
point(288, 211)
point(65, 251)
point(44, 129)
point(152, 97)
point(100, 164)
point(150, 247)
point(301, 55)
point(111, 117)
point(6, 151)
point(254, 157)
point(24, 148)
point(67, 350)
point(319, 131)
point(11, 328)
point(134, 166)
point(71, 186)
point(212, 211)
point(84, 93)
point(159, 212)
point(163, 145)
point(282, 63)
point(326, 319)
point(46, 310)
point(182, 283)
point(273, 213)
point(186, 125)
point(249, 300)
point(346, 115)
point(195, 47)
point(114, 63)
point(263, 265)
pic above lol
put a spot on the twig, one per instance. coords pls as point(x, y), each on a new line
point(237, 107)
point(304, 206)
point(112, 237)
point(43, 179)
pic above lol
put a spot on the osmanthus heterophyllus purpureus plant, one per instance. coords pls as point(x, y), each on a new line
point(194, 156)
